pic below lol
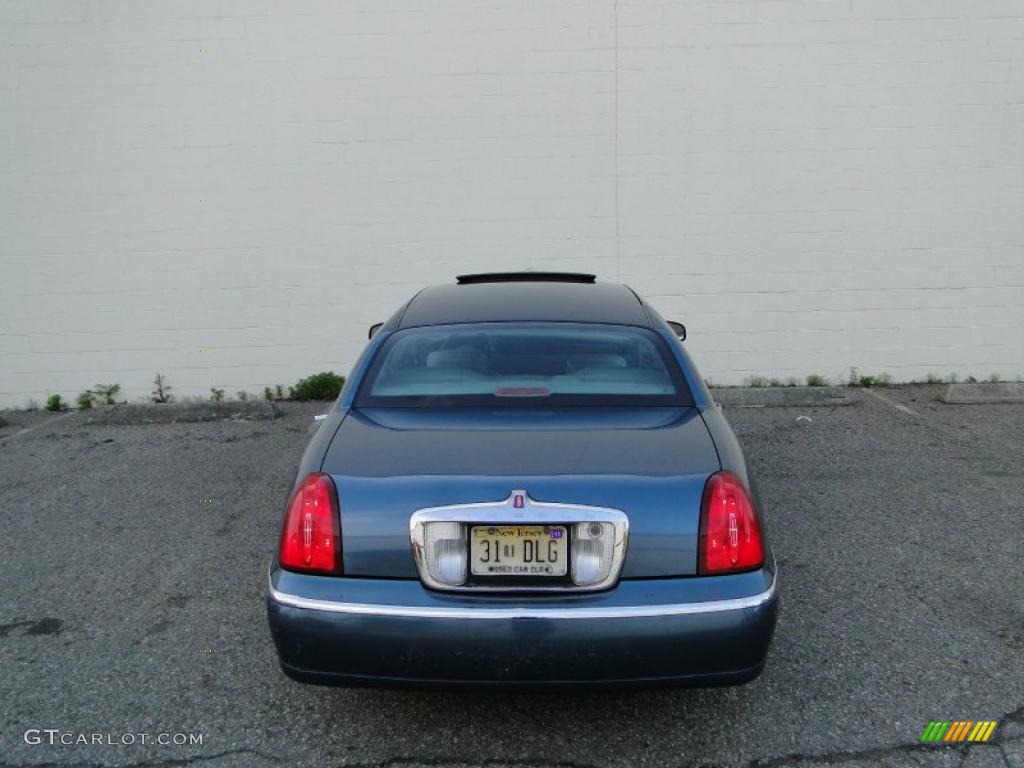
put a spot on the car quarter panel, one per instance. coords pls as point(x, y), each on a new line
point(730, 453)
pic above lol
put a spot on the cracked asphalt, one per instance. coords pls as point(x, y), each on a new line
point(134, 566)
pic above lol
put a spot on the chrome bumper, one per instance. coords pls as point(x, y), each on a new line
point(642, 633)
point(526, 611)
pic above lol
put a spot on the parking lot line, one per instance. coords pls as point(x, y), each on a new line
point(889, 401)
point(47, 422)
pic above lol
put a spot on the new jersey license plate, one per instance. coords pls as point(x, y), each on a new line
point(519, 550)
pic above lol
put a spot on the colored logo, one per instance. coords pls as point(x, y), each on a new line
point(958, 730)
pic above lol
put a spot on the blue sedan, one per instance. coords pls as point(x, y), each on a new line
point(524, 484)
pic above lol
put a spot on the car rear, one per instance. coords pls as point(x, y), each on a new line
point(522, 504)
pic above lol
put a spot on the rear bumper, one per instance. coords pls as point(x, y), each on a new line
point(642, 633)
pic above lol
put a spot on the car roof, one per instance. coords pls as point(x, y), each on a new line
point(526, 300)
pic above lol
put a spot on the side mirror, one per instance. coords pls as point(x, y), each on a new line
point(373, 329)
point(678, 328)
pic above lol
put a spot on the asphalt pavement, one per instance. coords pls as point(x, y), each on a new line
point(133, 570)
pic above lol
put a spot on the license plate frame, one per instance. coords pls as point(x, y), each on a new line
point(519, 550)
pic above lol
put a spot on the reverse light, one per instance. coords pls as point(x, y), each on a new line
point(593, 545)
point(311, 536)
point(445, 552)
point(730, 535)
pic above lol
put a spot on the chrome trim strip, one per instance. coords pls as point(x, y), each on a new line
point(529, 512)
point(527, 612)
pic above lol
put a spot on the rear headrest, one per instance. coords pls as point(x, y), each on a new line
point(599, 361)
point(459, 357)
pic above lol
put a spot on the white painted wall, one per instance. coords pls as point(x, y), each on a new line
point(809, 184)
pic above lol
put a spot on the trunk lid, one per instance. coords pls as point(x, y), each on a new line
point(650, 463)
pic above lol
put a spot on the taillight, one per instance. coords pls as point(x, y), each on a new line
point(730, 537)
point(311, 538)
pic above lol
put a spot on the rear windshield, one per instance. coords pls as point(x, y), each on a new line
point(498, 365)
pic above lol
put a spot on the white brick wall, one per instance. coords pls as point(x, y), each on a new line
point(809, 185)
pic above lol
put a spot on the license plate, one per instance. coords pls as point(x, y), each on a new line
point(519, 550)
